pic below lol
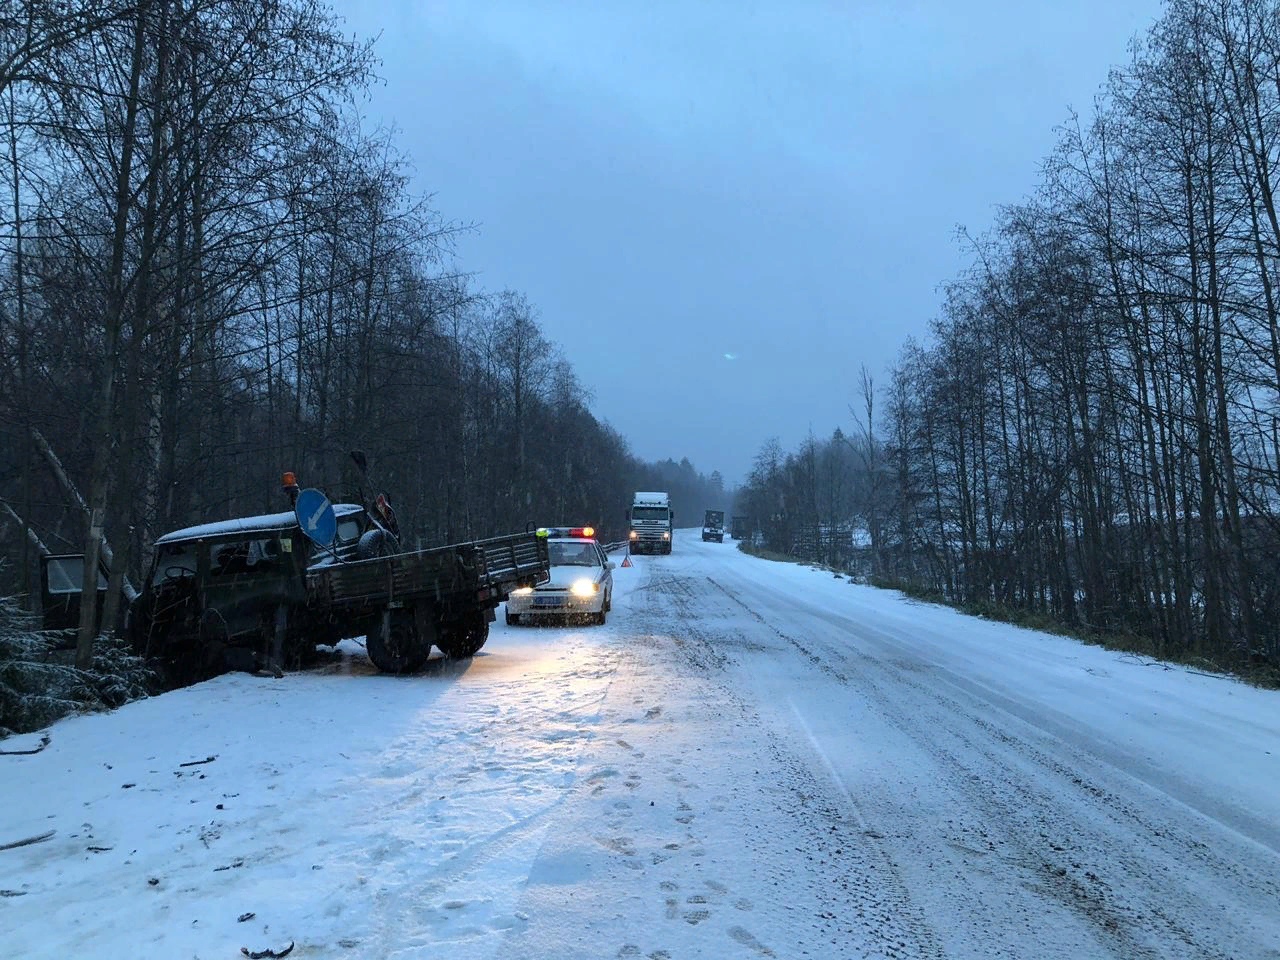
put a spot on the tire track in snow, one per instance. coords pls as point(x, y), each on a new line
point(517, 741)
point(1123, 892)
point(866, 909)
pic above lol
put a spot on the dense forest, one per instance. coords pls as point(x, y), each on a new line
point(1092, 431)
point(212, 272)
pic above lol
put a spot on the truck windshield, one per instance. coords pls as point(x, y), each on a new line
point(174, 560)
point(649, 513)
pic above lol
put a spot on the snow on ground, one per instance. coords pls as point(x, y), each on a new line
point(751, 759)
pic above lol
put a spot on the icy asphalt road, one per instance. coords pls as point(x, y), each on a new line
point(750, 759)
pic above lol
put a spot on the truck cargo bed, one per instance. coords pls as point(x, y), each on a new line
point(484, 571)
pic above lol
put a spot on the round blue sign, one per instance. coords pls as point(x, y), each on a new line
point(316, 517)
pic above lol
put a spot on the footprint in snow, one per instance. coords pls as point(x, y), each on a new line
point(745, 938)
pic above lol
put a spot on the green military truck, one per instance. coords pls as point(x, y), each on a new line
point(261, 592)
point(713, 526)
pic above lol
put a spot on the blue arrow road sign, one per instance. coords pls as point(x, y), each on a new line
point(316, 516)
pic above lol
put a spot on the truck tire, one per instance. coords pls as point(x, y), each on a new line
point(375, 543)
point(463, 638)
point(394, 645)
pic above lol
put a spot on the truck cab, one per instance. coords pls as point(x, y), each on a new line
point(713, 526)
point(214, 592)
point(225, 589)
point(650, 522)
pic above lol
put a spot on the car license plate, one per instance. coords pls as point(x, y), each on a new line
point(547, 602)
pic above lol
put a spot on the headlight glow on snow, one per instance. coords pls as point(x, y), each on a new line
point(522, 592)
point(583, 588)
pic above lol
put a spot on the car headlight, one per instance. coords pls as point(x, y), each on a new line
point(522, 592)
point(583, 588)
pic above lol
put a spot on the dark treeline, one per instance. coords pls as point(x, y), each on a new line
point(1092, 432)
point(211, 273)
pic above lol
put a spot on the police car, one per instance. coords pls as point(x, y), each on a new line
point(581, 583)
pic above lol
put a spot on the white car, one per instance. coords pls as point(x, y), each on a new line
point(581, 583)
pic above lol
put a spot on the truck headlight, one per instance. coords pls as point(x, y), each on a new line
point(583, 588)
point(634, 535)
point(522, 592)
point(666, 536)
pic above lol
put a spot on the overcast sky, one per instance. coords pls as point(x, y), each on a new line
point(675, 184)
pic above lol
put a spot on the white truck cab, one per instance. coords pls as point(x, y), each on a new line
point(650, 522)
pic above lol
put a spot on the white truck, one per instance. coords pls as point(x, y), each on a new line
point(650, 522)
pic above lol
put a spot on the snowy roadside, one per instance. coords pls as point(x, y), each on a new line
point(301, 801)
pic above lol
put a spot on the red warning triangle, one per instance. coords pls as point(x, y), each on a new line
point(626, 561)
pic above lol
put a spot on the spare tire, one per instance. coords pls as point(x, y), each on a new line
point(375, 543)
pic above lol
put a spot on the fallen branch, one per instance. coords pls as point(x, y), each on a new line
point(44, 742)
point(73, 493)
point(39, 838)
point(31, 534)
point(196, 763)
point(261, 954)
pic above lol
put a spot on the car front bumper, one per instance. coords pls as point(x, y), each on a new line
point(552, 603)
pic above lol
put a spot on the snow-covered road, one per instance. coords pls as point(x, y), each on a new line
point(751, 759)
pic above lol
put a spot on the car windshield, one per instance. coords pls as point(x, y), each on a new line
point(573, 554)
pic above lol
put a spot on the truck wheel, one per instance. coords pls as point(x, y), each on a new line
point(394, 645)
point(463, 638)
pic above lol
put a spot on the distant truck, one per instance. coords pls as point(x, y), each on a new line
point(713, 526)
point(740, 528)
point(650, 522)
point(259, 592)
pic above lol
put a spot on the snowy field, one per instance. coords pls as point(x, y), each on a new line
point(750, 760)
